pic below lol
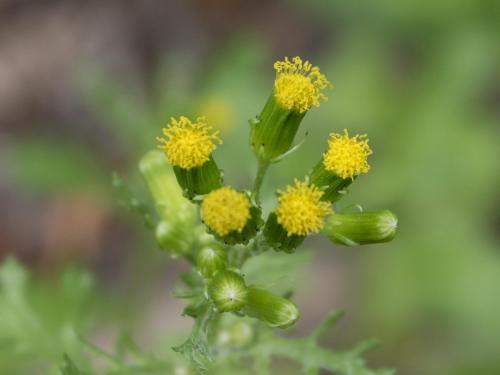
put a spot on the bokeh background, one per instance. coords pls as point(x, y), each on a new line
point(85, 87)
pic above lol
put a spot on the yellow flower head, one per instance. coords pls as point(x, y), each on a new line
point(188, 145)
point(225, 210)
point(347, 157)
point(298, 85)
point(300, 210)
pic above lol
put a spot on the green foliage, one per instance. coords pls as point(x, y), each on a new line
point(45, 165)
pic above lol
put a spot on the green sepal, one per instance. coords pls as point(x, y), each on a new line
point(277, 237)
point(274, 310)
point(228, 291)
point(361, 228)
point(333, 186)
point(248, 232)
point(273, 131)
point(210, 260)
point(199, 180)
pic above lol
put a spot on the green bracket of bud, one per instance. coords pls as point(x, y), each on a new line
point(273, 132)
point(210, 260)
point(274, 310)
point(250, 229)
point(361, 228)
point(199, 180)
point(228, 291)
point(277, 237)
point(333, 186)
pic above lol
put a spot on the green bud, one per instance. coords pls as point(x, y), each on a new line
point(333, 186)
point(361, 228)
point(276, 311)
point(228, 291)
point(210, 260)
point(174, 238)
point(237, 334)
point(171, 205)
point(178, 215)
point(273, 131)
point(277, 237)
point(199, 180)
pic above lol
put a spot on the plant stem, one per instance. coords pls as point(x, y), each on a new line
point(261, 172)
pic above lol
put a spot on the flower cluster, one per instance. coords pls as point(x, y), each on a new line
point(233, 226)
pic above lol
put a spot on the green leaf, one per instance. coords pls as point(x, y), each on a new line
point(130, 202)
point(196, 349)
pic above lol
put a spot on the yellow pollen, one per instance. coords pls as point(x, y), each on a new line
point(187, 144)
point(298, 85)
point(347, 157)
point(300, 209)
point(225, 210)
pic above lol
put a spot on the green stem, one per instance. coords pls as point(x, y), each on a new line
point(259, 178)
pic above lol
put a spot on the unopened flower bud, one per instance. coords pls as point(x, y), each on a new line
point(210, 260)
point(188, 147)
point(361, 228)
point(228, 291)
point(173, 237)
point(297, 88)
point(178, 215)
point(276, 311)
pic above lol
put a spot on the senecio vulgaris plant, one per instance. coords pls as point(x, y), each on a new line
point(217, 228)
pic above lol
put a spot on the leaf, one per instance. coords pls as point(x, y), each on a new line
point(130, 202)
point(196, 349)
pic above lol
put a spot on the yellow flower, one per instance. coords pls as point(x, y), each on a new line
point(300, 209)
point(225, 210)
point(347, 157)
point(188, 145)
point(298, 85)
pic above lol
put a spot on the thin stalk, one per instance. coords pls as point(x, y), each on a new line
point(259, 178)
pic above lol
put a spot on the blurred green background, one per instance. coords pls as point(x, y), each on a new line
point(85, 88)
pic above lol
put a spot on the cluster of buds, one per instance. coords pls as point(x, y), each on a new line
point(186, 180)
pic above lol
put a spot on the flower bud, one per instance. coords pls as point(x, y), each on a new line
point(210, 260)
point(178, 215)
point(228, 291)
point(276, 311)
point(297, 88)
point(237, 333)
point(174, 238)
point(361, 228)
point(188, 147)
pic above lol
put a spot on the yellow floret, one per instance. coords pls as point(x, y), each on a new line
point(225, 210)
point(347, 157)
point(298, 85)
point(187, 144)
point(300, 210)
